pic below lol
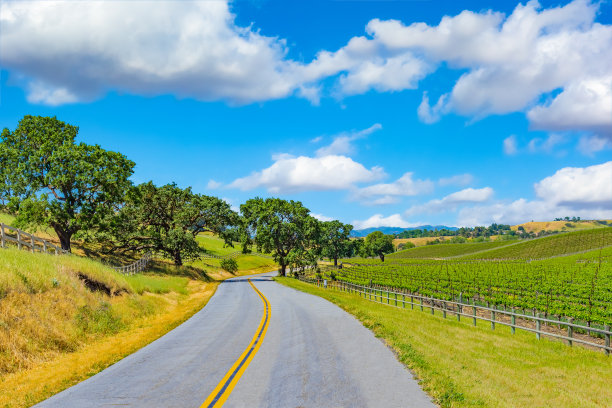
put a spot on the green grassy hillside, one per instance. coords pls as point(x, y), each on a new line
point(555, 245)
point(448, 250)
point(53, 304)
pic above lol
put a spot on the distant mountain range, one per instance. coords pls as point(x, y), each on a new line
point(397, 230)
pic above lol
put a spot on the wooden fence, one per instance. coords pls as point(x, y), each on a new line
point(136, 267)
point(515, 320)
point(24, 240)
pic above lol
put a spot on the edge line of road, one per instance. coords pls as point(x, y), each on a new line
point(223, 390)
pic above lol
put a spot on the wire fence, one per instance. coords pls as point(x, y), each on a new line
point(537, 324)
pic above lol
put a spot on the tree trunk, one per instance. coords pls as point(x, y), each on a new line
point(382, 257)
point(283, 270)
point(64, 238)
point(336, 262)
point(178, 261)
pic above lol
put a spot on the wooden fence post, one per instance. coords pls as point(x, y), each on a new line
point(32, 243)
point(538, 327)
point(18, 239)
point(607, 340)
point(459, 307)
point(421, 303)
point(2, 234)
point(404, 300)
point(474, 310)
point(570, 331)
point(444, 309)
point(432, 305)
point(513, 327)
point(493, 319)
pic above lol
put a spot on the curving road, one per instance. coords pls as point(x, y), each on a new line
point(313, 354)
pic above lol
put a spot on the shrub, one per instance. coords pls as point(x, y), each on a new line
point(229, 265)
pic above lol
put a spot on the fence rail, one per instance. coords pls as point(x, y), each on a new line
point(24, 240)
point(135, 267)
point(401, 299)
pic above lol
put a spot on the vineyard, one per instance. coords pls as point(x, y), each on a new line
point(448, 250)
point(576, 286)
point(556, 245)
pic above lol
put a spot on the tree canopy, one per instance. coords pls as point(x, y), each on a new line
point(379, 244)
point(283, 228)
point(48, 179)
point(167, 220)
point(334, 240)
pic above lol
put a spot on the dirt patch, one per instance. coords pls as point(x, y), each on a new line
point(95, 286)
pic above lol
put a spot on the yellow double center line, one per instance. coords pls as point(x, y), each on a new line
point(223, 390)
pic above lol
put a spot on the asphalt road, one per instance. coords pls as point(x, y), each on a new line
point(313, 355)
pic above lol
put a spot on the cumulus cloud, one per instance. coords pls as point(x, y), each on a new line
point(378, 220)
point(579, 188)
point(294, 174)
point(321, 217)
point(78, 50)
point(342, 144)
point(452, 201)
point(551, 63)
point(572, 191)
point(404, 186)
point(456, 180)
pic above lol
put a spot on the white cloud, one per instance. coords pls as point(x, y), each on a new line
point(213, 185)
point(293, 174)
point(431, 114)
point(514, 63)
point(378, 220)
point(583, 192)
point(551, 63)
point(546, 145)
point(456, 180)
point(588, 145)
point(510, 145)
point(79, 49)
point(452, 201)
point(404, 186)
point(321, 217)
point(342, 144)
point(576, 187)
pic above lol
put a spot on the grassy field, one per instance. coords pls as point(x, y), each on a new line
point(465, 366)
point(447, 250)
point(554, 245)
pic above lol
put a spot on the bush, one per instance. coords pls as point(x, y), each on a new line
point(229, 265)
point(405, 245)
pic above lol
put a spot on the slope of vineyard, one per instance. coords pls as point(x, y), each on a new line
point(555, 245)
point(582, 291)
point(448, 250)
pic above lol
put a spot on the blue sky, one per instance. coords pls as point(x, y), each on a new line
point(377, 113)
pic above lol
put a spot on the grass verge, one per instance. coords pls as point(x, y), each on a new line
point(460, 365)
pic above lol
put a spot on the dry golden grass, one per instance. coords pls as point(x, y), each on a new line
point(29, 386)
point(537, 226)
